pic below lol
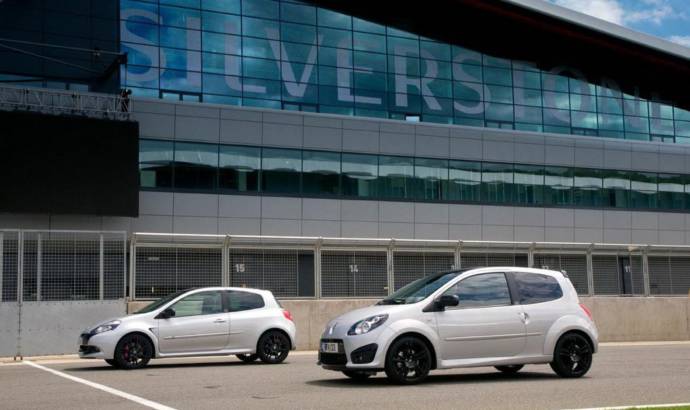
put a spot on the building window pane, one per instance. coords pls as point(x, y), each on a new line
point(643, 190)
point(431, 176)
point(239, 168)
point(529, 184)
point(321, 173)
point(558, 183)
point(395, 177)
point(464, 181)
point(280, 170)
point(670, 193)
point(497, 182)
point(196, 166)
point(588, 190)
point(155, 164)
point(616, 189)
point(359, 175)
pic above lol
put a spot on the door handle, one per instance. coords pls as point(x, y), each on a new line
point(219, 321)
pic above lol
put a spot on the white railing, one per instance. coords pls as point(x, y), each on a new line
point(61, 102)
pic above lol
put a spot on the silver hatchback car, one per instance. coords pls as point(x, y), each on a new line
point(504, 317)
point(249, 323)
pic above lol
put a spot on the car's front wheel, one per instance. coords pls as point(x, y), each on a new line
point(510, 369)
point(572, 356)
point(133, 352)
point(247, 358)
point(273, 347)
point(408, 360)
point(357, 375)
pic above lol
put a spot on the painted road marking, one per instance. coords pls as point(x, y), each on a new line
point(131, 397)
point(636, 406)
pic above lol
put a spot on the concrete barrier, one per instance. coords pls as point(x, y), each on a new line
point(619, 319)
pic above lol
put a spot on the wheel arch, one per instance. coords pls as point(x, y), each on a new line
point(276, 329)
point(420, 336)
point(154, 346)
point(570, 323)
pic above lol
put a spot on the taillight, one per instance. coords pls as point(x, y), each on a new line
point(287, 315)
point(589, 314)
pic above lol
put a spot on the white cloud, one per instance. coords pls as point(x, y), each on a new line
point(609, 10)
point(682, 40)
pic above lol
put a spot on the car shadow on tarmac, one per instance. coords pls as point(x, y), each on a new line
point(435, 379)
point(153, 366)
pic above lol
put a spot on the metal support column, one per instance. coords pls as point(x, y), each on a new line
point(20, 291)
point(530, 255)
point(457, 256)
point(39, 265)
point(390, 266)
point(132, 268)
point(317, 268)
point(590, 272)
point(645, 271)
point(225, 262)
point(101, 275)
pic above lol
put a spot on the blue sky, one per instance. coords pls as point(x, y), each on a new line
point(669, 19)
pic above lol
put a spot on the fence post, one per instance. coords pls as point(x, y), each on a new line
point(225, 262)
point(132, 267)
point(390, 266)
point(317, 268)
point(39, 266)
point(590, 271)
point(457, 255)
point(100, 267)
point(645, 271)
point(20, 290)
point(530, 255)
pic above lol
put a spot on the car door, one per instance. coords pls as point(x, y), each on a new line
point(540, 297)
point(485, 324)
point(246, 316)
point(200, 324)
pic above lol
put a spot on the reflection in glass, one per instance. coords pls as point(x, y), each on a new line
point(395, 177)
point(588, 187)
point(497, 182)
point(670, 193)
point(359, 172)
point(239, 168)
point(464, 181)
point(281, 170)
point(616, 189)
point(558, 185)
point(196, 166)
point(155, 164)
point(529, 184)
point(643, 190)
point(321, 173)
point(431, 176)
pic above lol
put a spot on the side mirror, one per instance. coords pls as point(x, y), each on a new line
point(166, 314)
point(448, 301)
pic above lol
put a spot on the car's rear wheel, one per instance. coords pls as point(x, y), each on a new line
point(357, 375)
point(572, 356)
point(247, 358)
point(273, 347)
point(112, 362)
point(510, 369)
point(408, 360)
point(133, 352)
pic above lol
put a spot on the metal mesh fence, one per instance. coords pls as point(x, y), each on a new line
point(9, 265)
point(410, 266)
point(669, 275)
point(574, 265)
point(354, 274)
point(114, 267)
point(163, 270)
point(285, 272)
point(486, 259)
point(605, 275)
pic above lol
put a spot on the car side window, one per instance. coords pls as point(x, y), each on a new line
point(202, 303)
point(238, 301)
point(536, 288)
point(488, 289)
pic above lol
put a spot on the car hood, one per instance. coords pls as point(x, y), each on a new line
point(356, 315)
point(122, 319)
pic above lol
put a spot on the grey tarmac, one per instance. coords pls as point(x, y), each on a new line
point(634, 374)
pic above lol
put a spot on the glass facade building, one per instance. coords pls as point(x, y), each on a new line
point(294, 56)
point(233, 169)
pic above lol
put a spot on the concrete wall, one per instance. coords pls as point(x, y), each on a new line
point(619, 319)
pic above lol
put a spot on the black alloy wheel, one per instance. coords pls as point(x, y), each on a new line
point(408, 361)
point(112, 362)
point(510, 369)
point(572, 356)
point(247, 358)
point(273, 347)
point(133, 352)
point(357, 374)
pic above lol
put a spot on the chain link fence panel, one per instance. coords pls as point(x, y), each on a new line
point(285, 272)
point(488, 259)
point(575, 267)
point(669, 275)
point(354, 274)
point(410, 266)
point(9, 265)
point(163, 270)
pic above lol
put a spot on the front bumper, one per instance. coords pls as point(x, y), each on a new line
point(99, 346)
point(361, 352)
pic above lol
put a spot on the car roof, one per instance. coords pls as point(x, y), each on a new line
point(517, 269)
point(212, 288)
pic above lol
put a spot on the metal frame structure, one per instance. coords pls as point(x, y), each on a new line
point(59, 102)
point(390, 246)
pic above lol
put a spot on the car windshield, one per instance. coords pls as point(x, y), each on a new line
point(160, 302)
point(419, 289)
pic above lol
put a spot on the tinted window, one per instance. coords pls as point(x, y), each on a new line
point(202, 303)
point(490, 289)
point(535, 288)
point(239, 301)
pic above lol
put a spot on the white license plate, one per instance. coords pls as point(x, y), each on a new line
point(329, 347)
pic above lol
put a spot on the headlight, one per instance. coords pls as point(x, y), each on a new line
point(367, 325)
point(105, 327)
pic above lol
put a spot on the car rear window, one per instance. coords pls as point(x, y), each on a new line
point(537, 288)
point(238, 301)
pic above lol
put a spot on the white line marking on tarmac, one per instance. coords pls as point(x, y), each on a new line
point(131, 397)
point(643, 406)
